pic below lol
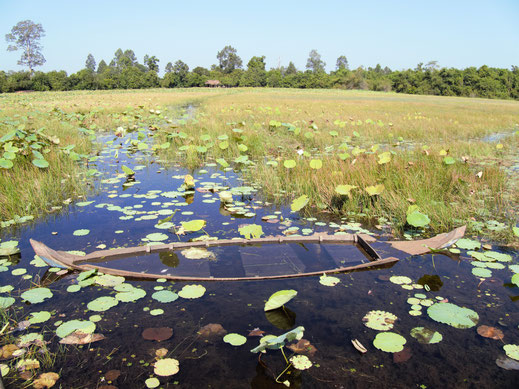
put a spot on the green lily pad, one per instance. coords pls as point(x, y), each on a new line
point(164, 296)
point(425, 335)
point(109, 280)
point(512, 351)
point(73, 288)
point(279, 299)
point(328, 281)
point(234, 339)
point(316, 164)
point(131, 295)
point(36, 295)
point(400, 280)
point(82, 232)
point(41, 163)
point(299, 203)
point(515, 279)
point(389, 342)
point(156, 312)
point(193, 225)
point(379, 320)
point(152, 383)
point(468, 244)
point(39, 317)
point(166, 367)
point(481, 272)
point(157, 237)
point(6, 302)
point(70, 326)
point(301, 362)
point(451, 314)
point(289, 163)
point(415, 218)
point(192, 291)
point(102, 304)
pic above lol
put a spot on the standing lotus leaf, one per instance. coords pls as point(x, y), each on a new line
point(299, 203)
point(344, 190)
point(193, 225)
point(451, 314)
point(379, 320)
point(301, 362)
point(280, 298)
point(389, 342)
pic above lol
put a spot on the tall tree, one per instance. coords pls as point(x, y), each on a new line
point(152, 63)
point(26, 36)
point(291, 69)
point(314, 62)
point(90, 63)
point(228, 59)
point(342, 63)
point(102, 66)
point(169, 67)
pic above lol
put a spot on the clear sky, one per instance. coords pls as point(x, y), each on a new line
point(394, 33)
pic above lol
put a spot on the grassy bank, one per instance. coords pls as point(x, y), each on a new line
point(429, 152)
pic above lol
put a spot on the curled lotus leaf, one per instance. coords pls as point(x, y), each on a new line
point(379, 320)
point(426, 335)
point(299, 203)
point(389, 342)
point(279, 299)
point(45, 380)
point(453, 315)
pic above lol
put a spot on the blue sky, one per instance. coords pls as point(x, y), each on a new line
point(398, 34)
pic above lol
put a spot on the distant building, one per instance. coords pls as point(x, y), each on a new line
point(213, 83)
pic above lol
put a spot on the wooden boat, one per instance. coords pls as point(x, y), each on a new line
point(365, 243)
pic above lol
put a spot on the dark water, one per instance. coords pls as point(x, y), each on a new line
point(331, 316)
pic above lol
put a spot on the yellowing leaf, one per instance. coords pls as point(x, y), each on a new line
point(384, 157)
point(344, 189)
point(374, 190)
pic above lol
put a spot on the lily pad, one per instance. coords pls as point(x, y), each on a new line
point(328, 281)
point(152, 383)
point(192, 291)
point(251, 231)
point(279, 299)
point(301, 362)
point(426, 336)
point(234, 339)
point(131, 295)
point(82, 232)
point(197, 253)
point(379, 320)
point(299, 203)
point(512, 351)
point(39, 317)
point(389, 342)
point(109, 280)
point(68, 327)
point(316, 164)
point(166, 367)
point(193, 225)
point(481, 272)
point(159, 334)
point(453, 315)
point(36, 295)
point(102, 304)
point(468, 244)
point(6, 302)
point(164, 296)
point(157, 237)
point(400, 280)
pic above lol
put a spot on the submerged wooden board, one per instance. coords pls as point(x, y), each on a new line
point(76, 262)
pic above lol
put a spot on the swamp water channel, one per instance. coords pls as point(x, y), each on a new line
point(126, 213)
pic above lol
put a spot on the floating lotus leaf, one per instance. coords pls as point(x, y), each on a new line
point(197, 253)
point(379, 320)
point(426, 336)
point(6, 302)
point(344, 190)
point(501, 257)
point(86, 274)
point(68, 327)
point(79, 337)
point(234, 339)
point(132, 295)
point(468, 244)
point(389, 342)
point(400, 280)
point(453, 315)
point(328, 281)
point(212, 330)
point(490, 332)
point(515, 279)
point(512, 351)
point(251, 231)
point(36, 295)
point(102, 304)
point(157, 237)
point(316, 164)
point(156, 312)
point(301, 362)
point(192, 291)
point(39, 317)
point(166, 367)
point(152, 383)
point(225, 196)
point(81, 232)
point(507, 363)
point(9, 247)
point(164, 296)
point(299, 203)
point(482, 273)
point(159, 334)
point(374, 190)
point(109, 280)
point(279, 299)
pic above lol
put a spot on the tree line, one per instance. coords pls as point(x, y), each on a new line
point(124, 71)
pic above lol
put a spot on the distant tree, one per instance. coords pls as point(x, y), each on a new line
point(431, 65)
point(169, 67)
point(342, 63)
point(102, 66)
point(314, 62)
point(90, 63)
point(201, 71)
point(26, 36)
point(255, 74)
point(123, 60)
point(291, 69)
point(152, 63)
point(228, 59)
